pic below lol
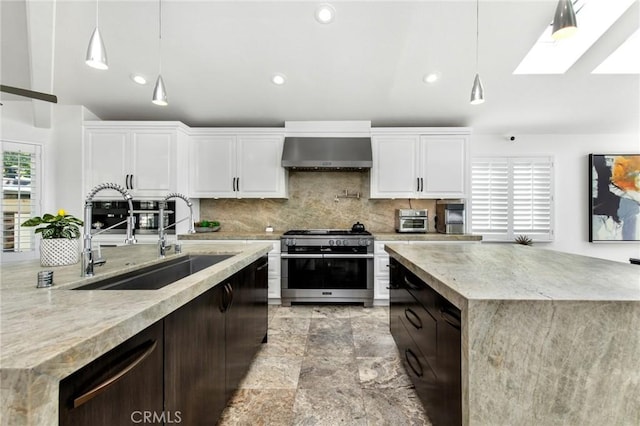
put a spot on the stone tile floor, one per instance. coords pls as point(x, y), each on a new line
point(326, 365)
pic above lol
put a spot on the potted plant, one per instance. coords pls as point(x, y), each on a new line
point(60, 238)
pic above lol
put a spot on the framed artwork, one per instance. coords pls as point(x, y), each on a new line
point(615, 197)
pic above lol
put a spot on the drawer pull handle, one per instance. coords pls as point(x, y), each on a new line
point(89, 395)
point(408, 352)
point(410, 284)
point(417, 325)
point(261, 267)
point(451, 318)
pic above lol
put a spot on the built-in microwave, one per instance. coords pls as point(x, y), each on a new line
point(146, 214)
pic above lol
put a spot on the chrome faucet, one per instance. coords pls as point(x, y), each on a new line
point(88, 259)
point(162, 239)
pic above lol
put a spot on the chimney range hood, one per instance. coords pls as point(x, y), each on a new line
point(327, 153)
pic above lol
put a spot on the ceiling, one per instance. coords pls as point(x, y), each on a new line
point(218, 58)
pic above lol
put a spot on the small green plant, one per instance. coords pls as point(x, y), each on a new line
point(207, 224)
point(60, 226)
point(524, 240)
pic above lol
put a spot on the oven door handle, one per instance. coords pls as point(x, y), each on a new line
point(348, 256)
point(300, 256)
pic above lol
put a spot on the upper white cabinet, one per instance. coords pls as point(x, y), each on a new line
point(237, 164)
point(139, 156)
point(419, 163)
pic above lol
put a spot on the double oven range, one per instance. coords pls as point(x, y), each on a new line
point(327, 265)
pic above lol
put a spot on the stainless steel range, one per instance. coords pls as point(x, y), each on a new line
point(327, 265)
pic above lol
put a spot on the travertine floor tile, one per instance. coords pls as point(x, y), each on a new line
point(327, 365)
point(328, 372)
point(329, 407)
point(394, 407)
point(273, 372)
point(260, 407)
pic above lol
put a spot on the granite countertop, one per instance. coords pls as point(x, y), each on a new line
point(429, 236)
point(231, 235)
point(48, 333)
point(382, 236)
point(515, 272)
point(547, 338)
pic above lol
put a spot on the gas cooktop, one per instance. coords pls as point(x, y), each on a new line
point(322, 232)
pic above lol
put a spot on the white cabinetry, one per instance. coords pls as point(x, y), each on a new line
point(237, 164)
point(274, 270)
point(139, 156)
point(381, 274)
point(419, 163)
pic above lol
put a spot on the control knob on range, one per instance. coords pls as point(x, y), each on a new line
point(345, 243)
point(338, 242)
point(331, 242)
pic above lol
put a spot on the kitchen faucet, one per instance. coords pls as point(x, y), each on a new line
point(88, 260)
point(162, 242)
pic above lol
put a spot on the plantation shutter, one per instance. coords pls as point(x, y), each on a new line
point(20, 198)
point(512, 196)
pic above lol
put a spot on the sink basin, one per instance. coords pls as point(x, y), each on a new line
point(157, 276)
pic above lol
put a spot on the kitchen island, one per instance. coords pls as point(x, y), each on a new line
point(548, 338)
point(48, 333)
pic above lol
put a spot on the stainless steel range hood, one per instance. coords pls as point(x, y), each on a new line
point(327, 153)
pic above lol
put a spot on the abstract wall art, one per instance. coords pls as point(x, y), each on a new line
point(615, 197)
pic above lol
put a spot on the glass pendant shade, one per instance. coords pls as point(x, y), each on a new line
point(160, 93)
point(96, 53)
point(564, 21)
point(477, 91)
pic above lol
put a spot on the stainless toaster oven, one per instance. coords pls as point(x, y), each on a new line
point(412, 220)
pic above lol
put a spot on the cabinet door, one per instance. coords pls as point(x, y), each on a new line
point(260, 172)
point(118, 387)
point(195, 359)
point(395, 166)
point(105, 160)
point(443, 166)
point(246, 320)
point(212, 166)
point(153, 163)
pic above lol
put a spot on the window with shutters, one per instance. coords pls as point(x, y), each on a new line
point(512, 196)
point(20, 198)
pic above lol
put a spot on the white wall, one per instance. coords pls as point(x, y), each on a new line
point(572, 186)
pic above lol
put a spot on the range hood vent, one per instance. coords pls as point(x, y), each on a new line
point(327, 153)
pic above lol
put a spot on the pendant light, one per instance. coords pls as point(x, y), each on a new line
point(159, 91)
point(477, 91)
point(96, 53)
point(564, 21)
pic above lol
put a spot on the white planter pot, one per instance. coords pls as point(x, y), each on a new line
point(59, 251)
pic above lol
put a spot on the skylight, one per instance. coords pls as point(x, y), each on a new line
point(594, 18)
point(624, 60)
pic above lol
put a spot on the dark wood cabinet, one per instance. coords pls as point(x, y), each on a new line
point(426, 328)
point(194, 372)
point(119, 387)
point(184, 368)
point(246, 320)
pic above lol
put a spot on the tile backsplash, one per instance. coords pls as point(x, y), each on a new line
point(312, 204)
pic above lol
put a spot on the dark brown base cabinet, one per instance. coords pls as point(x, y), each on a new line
point(426, 328)
point(185, 367)
point(119, 387)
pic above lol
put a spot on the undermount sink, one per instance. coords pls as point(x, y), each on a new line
point(157, 276)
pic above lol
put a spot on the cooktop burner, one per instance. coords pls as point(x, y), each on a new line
point(325, 232)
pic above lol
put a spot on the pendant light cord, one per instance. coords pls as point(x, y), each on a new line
point(160, 36)
point(477, 31)
point(97, 14)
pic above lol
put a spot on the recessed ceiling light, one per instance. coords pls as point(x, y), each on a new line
point(278, 79)
point(325, 13)
point(137, 78)
point(431, 77)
